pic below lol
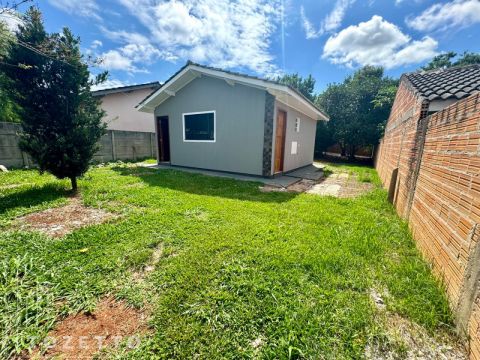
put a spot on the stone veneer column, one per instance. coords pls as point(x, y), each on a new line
point(268, 134)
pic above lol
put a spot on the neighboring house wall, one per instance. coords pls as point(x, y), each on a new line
point(122, 114)
point(443, 190)
point(305, 138)
point(240, 121)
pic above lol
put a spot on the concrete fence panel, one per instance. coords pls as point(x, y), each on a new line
point(114, 145)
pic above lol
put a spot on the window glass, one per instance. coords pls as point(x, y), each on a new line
point(199, 127)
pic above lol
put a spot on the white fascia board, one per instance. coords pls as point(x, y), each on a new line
point(144, 105)
point(260, 84)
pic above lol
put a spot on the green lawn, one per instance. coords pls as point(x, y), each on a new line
point(291, 273)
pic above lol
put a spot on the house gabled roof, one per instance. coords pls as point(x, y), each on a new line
point(283, 93)
point(443, 84)
point(151, 85)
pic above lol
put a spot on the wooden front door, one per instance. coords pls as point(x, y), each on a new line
point(163, 138)
point(280, 140)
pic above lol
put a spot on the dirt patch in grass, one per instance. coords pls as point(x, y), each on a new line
point(341, 185)
point(81, 336)
point(150, 266)
point(59, 221)
point(405, 339)
point(299, 186)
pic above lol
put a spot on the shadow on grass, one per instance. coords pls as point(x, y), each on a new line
point(32, 197)
point(200, 184)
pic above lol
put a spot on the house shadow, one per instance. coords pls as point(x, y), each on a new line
point(32, 197)
point(200, 184)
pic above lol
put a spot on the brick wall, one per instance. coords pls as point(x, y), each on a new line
point(398, 148)
point(438, 192)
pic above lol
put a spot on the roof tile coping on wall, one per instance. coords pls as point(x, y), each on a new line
point(456, 82)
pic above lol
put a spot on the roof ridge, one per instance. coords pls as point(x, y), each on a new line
point(441, 70)
point(191, 63)
point(128, 86)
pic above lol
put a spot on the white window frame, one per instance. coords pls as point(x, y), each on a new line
point(297, 124)
point(214, 125)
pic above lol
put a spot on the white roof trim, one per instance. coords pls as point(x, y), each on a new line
point(148, 104)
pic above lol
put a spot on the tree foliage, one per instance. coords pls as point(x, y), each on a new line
point(451, 58)
point(358, 109)
point(9, 110)
point(61, 121)
point(305, 85)
point(7, 6)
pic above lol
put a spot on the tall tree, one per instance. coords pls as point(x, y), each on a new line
point(449, 59)
point(468, 58)
point(304, 85)
point(338, 102)
point(440, 61)
point(61, 121)
point(358, 108)
point(9, 110)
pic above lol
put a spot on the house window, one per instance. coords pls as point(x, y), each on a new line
point(297, 125)
point(199, 126)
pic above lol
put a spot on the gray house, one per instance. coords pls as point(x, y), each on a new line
point(213, 119)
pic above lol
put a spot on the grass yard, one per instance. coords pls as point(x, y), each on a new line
point(242, 273)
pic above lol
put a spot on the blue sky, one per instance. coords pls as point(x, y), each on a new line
point(147, 40)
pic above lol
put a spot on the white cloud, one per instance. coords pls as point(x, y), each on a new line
point(10, 19)
point(455, 14)
point(123, 36)
point(136, 52)
point(310, 31)
point(132, 57)
point(115, 60)
point(96, 44)
point(330, 23)
point(113, 83)
point(334, 19)
point(217, 32)
point(377, 42)
point(84, 8)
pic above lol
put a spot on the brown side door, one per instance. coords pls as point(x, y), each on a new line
point(280, 141)
point(163, 138)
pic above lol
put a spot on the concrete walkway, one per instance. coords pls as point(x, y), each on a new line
point(280, 181)
point(310, 172)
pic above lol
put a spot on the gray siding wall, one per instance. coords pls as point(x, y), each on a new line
point(305, 138)
point(240, 117)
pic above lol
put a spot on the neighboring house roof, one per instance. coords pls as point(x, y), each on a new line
point(443, 84)
point(283, 93)
point(151, 85)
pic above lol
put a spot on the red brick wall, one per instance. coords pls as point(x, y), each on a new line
point(398, 147)
point(440, 195)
